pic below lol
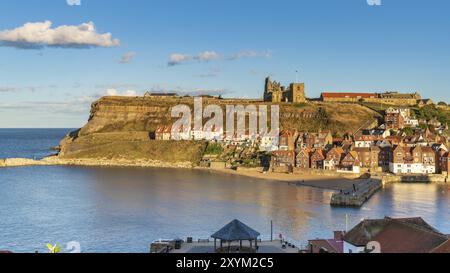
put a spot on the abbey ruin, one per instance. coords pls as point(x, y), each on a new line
point(275, 92)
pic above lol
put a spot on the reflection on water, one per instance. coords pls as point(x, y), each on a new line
point(123, 209)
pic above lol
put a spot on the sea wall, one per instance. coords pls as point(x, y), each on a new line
point(21, 162)
point(328, 173)
point(430, 178)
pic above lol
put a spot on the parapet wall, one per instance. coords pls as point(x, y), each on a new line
point(431, 178)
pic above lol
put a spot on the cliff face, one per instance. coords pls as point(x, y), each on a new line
point(120, 127)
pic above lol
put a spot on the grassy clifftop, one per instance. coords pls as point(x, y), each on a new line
point(334, 117)
point(119, 114)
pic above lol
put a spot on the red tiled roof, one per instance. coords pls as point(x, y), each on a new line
point(337, 150)
point(366, 138)
point(287, 133)
point(401, 237)
point(408, 235)
point(444, 248)
point(281, 153)
point(330, 246)
point(318, 152)
point(361, 150)
point(427, 150)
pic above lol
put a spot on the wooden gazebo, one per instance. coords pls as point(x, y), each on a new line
point(236, 231)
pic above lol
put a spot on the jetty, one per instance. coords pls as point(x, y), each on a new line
point(357, 195)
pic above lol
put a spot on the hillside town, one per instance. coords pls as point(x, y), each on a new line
point(401, 142)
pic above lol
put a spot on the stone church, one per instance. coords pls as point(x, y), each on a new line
point(275, 92)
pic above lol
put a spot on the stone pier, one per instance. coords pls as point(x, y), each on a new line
point(358, 195)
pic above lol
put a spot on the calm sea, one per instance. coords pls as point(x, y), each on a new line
point(125, 209)
point(29, 143)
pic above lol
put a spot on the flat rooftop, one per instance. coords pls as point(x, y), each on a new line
point(265, 247)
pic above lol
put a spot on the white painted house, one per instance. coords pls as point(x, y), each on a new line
point(269, 143)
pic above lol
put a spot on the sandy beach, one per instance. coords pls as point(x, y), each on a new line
point(307, 180)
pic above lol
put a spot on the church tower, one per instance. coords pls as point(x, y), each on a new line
point(298, 92)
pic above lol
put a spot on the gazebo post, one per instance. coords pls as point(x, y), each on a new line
point(215, 244)
point(256, 243)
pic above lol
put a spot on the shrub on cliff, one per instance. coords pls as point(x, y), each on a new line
point(214, 149)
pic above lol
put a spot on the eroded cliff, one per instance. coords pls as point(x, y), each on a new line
point(121, 127)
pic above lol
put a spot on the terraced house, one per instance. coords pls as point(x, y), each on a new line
point(317, 159)
point(369, 157)
point(444, 161)
point(413, 160)
point(351, 162)
point(303, 158)
point(333, 158)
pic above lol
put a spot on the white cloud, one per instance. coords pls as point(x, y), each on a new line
point(111, 92)
point(130, 93)
point(127, 57)
point(251, 54)
point(207, 56)
point(177, 58)
point(41, 34)
point(187, 91)
point(127, 93)
point(74, 2)
point(4, 89)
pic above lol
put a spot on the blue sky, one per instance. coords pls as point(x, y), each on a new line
point(221, 46)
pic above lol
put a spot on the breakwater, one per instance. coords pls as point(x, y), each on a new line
point(358, 195)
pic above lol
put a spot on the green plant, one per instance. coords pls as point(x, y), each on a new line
point(54, 248)
point(214, 149)
point(300, 105)
point(408, 131)
point(430, 111)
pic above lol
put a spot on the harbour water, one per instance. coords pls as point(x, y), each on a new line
point(125, 209)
